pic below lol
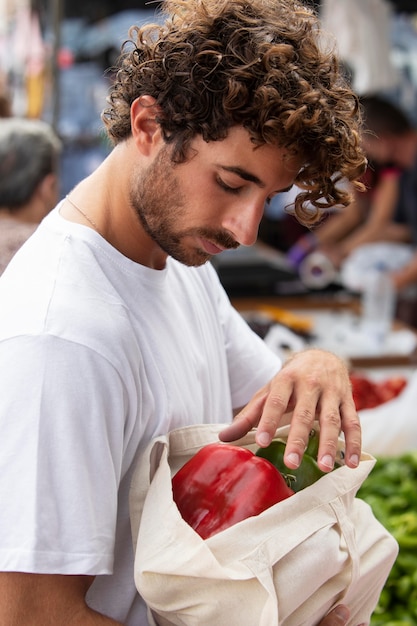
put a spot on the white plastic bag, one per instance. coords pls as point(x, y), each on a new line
point(390, 429)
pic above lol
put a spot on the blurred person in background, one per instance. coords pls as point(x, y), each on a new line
point(29, 181)
point(376, 214)
point(5, 108)
point(370, 218)
point(5, 100)
point(390, 137)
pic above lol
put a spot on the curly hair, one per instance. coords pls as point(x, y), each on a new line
point(214, 64)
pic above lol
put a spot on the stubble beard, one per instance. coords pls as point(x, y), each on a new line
point(160, 206)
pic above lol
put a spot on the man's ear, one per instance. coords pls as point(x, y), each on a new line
point(146, 131)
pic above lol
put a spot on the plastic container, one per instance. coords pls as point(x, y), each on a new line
point(378, 305)
point(317, 271)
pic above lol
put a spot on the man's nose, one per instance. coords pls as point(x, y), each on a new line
point(244, 223)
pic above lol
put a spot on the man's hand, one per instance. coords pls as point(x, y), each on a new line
point(313, 384)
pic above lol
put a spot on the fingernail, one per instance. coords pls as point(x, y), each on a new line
point(327, 460)
point(293, 458)
point(263, 439)
point(354, 459)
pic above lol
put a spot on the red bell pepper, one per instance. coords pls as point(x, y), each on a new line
point(364, 391)
point(391, 387)
point(223, 484)
point(368, 394)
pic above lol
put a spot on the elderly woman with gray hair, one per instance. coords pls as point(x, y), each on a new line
point(29, 162)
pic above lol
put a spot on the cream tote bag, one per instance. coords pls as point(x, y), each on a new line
point(287, 566)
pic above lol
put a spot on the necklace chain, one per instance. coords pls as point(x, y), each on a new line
point(92, 222)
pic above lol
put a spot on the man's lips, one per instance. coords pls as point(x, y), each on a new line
point(210, 247)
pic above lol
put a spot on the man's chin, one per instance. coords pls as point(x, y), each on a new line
point(197, 259)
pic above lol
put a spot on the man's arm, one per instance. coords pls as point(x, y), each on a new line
point(380, 216)
point(47, 600)
point(405, 276)
point(57, 600)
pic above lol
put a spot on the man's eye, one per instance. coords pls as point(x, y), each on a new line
point(227, 187)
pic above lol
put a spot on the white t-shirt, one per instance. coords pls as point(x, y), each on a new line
point(99, 354)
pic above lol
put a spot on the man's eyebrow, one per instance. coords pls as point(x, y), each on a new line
point(245, 175)
point(235, 169)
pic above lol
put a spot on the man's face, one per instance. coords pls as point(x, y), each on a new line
point(215, 200)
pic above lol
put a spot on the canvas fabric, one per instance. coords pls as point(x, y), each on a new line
point(287, 566)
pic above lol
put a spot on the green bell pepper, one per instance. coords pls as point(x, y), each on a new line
point(308, 471)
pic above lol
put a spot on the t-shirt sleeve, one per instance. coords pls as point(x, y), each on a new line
point(61, 457)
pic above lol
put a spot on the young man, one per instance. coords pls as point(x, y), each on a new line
point(115, 329)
